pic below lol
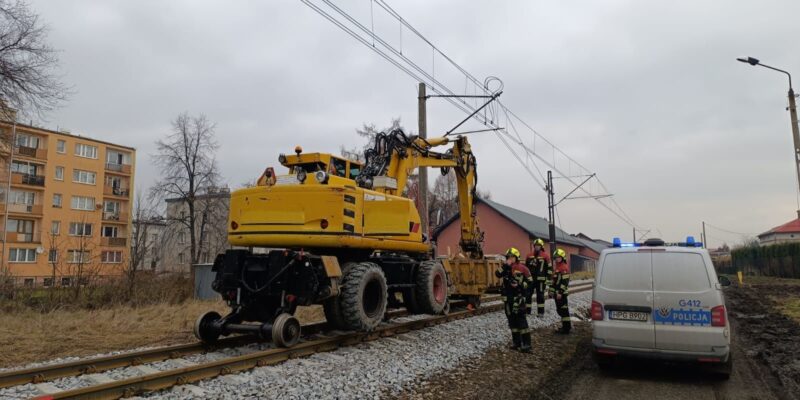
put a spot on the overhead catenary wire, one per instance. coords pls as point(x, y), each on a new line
point(729, 231)
point(492, 115)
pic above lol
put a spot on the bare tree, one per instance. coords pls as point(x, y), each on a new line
point(147, 240)
point(27, 63)
point(188, 170)
point(368, 132)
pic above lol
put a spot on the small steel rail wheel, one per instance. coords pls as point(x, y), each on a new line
point(205, 329)
point(285, 330)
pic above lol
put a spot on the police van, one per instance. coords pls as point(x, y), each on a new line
point(659, 300)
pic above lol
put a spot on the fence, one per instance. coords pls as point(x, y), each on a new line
point(781, 260)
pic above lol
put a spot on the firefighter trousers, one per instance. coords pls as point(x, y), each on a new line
point(518, 322)
point(562, 307)
point(539, 288)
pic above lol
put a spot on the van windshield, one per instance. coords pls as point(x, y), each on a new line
point(680, 272)
point(627, 271)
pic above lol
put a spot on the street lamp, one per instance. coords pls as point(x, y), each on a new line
point(792, 113)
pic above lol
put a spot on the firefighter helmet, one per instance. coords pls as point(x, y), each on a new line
point(538, 242)
point(561, 253)
point(512, 252)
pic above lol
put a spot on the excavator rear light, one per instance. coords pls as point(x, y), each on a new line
point(323, 224)
point(234, 225)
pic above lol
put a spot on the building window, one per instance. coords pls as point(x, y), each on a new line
point(22, 227)
point(47, 282)
point(55, 228)
point(52, 256)
point(111, 257)
point(85, 150)
point(181, 238)
point(57, 200)
point(83, 203)
point(59, 173)
point(66, 281)
point(77, 256)
point(22, 197)
point(24, 140)
point(22, 167)
point(111, 206)
point(29, 282)
point(110, 231)
point(80, 229)
point(87, 177)
point(180, 258)
point(22, 255)
point(61, 146)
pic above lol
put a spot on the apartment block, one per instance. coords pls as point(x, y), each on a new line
point(66, 204)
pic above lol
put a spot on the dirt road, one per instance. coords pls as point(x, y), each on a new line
point(765, 347)
point(766, 351)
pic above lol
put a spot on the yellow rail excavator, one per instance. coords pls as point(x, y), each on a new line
point(340, 233)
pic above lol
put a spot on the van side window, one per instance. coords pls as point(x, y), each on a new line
point(627, 271)
point(680, 272)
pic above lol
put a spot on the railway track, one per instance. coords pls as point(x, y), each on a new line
point(159, 380)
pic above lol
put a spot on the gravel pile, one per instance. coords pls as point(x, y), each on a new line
point(387, 366)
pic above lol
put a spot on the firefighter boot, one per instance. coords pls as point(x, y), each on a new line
point(566, 326)
point(515, 338)
point(526, 342)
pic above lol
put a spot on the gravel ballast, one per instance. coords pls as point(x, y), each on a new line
point(385, 367)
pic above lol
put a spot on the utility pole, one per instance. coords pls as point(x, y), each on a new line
point(792, 114)
point(422, 177)
point(705, 246)
point(634, 235)
point(551, 208)
point(795, 133)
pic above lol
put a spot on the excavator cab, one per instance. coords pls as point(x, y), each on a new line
point(323, 167)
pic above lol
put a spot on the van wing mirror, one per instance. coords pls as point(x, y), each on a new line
point(724, 281)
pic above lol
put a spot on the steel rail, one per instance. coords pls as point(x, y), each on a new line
point(180, 376)
point(50, 372)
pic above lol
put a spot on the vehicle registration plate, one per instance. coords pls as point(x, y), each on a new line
point(628, 315)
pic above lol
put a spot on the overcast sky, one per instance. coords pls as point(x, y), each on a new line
point(647, 94)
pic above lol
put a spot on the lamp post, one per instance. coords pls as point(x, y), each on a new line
point(792, 113)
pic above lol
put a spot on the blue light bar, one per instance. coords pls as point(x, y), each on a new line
point(690, 241)
point(617, 242)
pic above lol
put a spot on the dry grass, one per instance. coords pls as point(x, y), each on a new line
point(30, 336)
point(791, 308)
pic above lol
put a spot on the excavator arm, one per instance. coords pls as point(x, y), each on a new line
point(394, 158)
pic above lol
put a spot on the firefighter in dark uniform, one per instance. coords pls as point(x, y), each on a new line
point(538, 263)
point(560, 289)
point(517, 283)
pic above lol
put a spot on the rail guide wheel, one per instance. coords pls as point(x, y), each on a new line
point(285, 330)
point(205, 328)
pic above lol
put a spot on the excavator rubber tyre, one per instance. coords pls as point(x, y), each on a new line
point(432, 289)
point(364, 296)
point(285, 330)
point(204, 330)
point(333, 307)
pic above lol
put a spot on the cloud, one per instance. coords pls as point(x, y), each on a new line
point(646, 94)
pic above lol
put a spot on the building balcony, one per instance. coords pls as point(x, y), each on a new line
point(27, 179)
point(32, 152)
point(113, 241)
point(35, 209)
point(119, 168)
point(115, 217)
point(23, 237)
point(116, 191)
